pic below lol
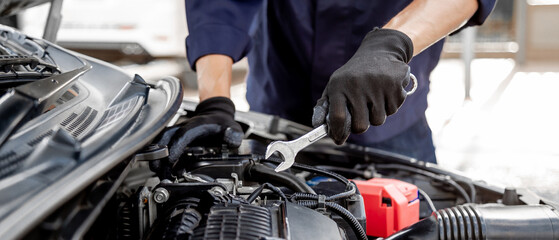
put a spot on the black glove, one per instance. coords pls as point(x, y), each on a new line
point(212, 124)
point(369, 87)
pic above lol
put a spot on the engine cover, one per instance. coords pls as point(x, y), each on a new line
point(243, 221)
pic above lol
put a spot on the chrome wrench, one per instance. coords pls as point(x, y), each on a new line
point(289, 149)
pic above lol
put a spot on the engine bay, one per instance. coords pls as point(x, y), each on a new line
point(220, 193)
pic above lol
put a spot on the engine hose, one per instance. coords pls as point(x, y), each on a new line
point(345, 194)
point(345, 214)
point(488, 221)
point(259, 172)
point(342, 212)
point(259, 190)
point(307, 196)
point(350, 186)
point(472, 189)
point(304, 196)
point(427, 199)
point(336, 176)
point(352, 171)
point(178, 221)
point(448, 181)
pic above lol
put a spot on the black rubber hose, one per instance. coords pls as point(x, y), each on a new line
point(345, 214)
point(258, 191)
point(351, 189)
point(427, 199)
point(357, 172)
point(342, 212)
point(178, 221)
point(348, 193)
point(259, 172)
point(310, 169)
point(488, 221)
point(449, 181)
point(472, 189)
point(304, 196)
point(307, 196)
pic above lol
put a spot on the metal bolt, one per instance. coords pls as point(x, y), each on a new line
point(217, 191)
point(160, 195)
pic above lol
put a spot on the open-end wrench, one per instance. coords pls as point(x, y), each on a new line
point(289, 149)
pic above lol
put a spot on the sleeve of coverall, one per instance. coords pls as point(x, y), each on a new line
point(484, 9)
point(219, 27)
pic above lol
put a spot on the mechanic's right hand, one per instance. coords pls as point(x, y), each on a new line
point(213, 123)
point(368, 88)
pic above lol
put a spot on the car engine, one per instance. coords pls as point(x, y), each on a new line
point(220, 193)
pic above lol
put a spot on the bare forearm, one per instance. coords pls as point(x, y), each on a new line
point(214, 76)
point(427, 21)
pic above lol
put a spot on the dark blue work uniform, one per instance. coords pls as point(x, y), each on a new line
point(293, 46)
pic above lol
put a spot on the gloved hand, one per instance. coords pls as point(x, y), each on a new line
point(212, 124)
point(369, 87)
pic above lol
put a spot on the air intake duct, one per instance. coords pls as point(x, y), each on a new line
point(178, 221)
point(488, 221)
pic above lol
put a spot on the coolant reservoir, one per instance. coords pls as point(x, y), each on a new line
point(390, 205)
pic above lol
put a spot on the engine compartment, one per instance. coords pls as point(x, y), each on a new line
point(217, 194)
point(221, 193)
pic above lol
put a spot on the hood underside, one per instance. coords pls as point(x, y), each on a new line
point(11, 7)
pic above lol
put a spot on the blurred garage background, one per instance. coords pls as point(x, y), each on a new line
point(492, 101)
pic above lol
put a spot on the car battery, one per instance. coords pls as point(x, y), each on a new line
point(390, 205)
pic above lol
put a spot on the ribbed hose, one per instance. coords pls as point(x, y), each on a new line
point(488, 221)
point(307, 196)
point(178, 221)
point(180, 227)
point(304, 196)
point(342, 212)
point(126, 229)
point(460, 222)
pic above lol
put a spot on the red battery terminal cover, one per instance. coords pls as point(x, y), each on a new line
point(390, 205)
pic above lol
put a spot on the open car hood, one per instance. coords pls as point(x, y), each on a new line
point(67, 119)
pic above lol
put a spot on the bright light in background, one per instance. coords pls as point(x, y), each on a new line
point(158, 29)
point(508, 132)
point(543, 2)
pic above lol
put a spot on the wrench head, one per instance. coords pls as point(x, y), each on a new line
point(285, 152)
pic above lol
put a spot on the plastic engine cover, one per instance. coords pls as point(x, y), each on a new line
point(390, 205)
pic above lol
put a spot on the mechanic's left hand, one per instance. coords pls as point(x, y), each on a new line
point(212, 124)
point(368, 88)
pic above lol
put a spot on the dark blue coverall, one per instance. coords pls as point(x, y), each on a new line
point(293, 46)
